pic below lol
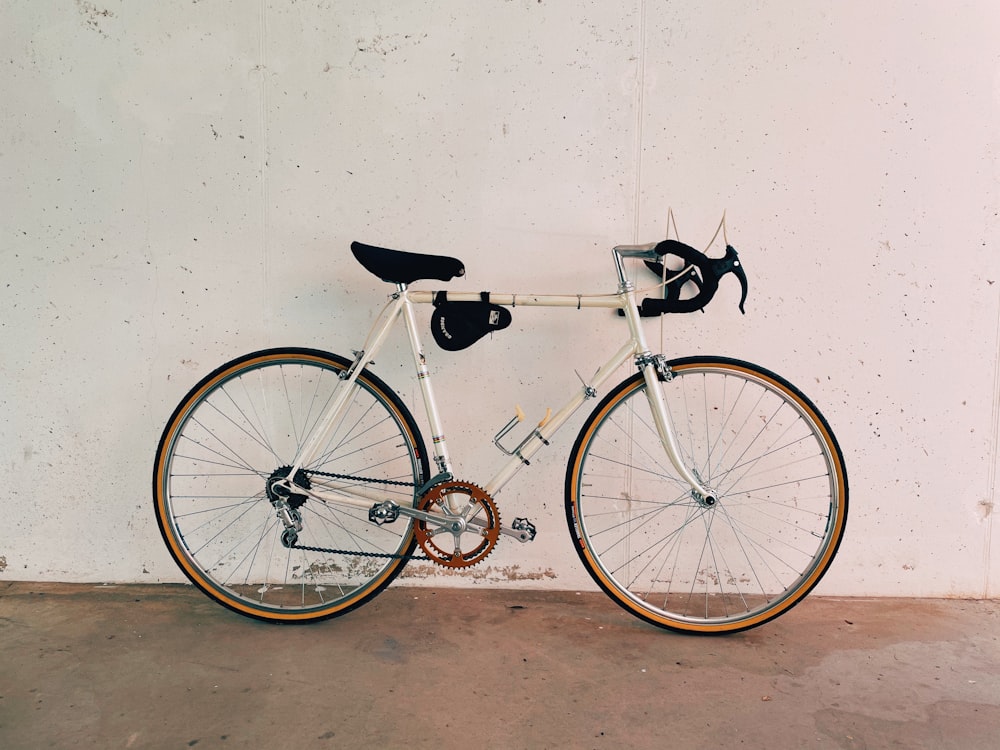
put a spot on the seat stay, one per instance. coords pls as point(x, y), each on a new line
point(340, 400)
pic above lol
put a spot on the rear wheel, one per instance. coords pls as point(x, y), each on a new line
point(684, 563)
point(237, 433)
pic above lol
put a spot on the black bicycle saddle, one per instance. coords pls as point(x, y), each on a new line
point(399, 267)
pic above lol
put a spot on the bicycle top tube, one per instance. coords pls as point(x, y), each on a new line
point(608, 301)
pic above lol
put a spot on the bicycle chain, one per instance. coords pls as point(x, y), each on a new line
point(366, 480)
point(358, 553)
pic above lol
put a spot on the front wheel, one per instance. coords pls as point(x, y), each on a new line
point(218, 470)
point(677, 560)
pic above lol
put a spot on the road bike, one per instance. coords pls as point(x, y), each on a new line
point(703, 494)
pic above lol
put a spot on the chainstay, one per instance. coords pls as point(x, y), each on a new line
point(357, 553)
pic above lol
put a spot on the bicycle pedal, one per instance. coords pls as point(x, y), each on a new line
point(384, 512)
point(525, 529)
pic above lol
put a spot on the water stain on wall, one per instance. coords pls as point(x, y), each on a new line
point(93, 15)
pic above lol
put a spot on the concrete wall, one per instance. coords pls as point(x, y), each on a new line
point(180, 181)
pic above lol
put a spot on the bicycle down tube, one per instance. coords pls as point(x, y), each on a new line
point(401, 305)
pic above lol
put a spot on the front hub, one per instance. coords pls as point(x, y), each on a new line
point(708, 500)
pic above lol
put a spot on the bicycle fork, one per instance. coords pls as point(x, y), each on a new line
point(654, 369)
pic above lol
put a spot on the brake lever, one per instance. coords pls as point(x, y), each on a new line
point(705, 275)
point(730, 263)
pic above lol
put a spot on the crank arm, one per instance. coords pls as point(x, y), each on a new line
point(437, 519)
point(522, 529)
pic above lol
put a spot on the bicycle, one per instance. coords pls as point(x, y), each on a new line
point(703, 494)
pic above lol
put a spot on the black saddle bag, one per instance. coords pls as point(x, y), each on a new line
point(459, 325)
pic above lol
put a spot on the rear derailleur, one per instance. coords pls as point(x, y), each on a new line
point(286, 502)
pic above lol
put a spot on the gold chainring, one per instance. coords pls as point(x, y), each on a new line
point(471, 524)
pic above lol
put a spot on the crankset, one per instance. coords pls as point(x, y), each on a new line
point(466, 528)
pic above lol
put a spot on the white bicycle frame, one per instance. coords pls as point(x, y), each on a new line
point(402, 304)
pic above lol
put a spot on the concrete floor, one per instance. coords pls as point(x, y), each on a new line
point(163, 667)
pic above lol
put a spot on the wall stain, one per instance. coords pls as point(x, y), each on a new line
point(385, 44)
point(93, 15)
point(378, 49)
point(489, 573)
point(3, 563)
